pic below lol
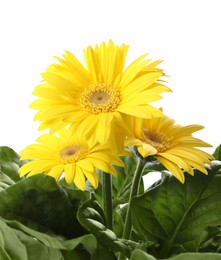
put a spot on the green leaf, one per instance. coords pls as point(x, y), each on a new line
point(217, 153)
point(36, 250)
point(141, 255)
point(20, 242)
point(197, 256)
point(178, 216)
point(10, 244)
point(213, 243)
point(88, 241)
point(118, 221)
point(40, 203)
point(5, 181)
point(9, 162)
point(91, 216)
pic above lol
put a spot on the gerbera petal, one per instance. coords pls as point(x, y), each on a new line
point(146, 150)
point(85, 165)
point(177, 160)
point(92, 177)
point(191, 141)
point(73, 154)
point(173, 168)
point(102, 133)
point(174, 145)
point(141, 83)
point(140, 111)
point(132, 70)
point(57, 81)
point(79, 179)
point(142, 97)
point(101, 165)
point(107, 156)
point(106, 118)
point(187, 130)
point(80, 72)
point(56, 171)
point(92, 64)
point(190, 153)
point(34, 167)
point(89, 96)
point(199, 166)
point(69, 172)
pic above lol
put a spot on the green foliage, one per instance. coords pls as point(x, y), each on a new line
point(20, 242)
point(92, 217)
point(178, 217)
point(123, 181)
point(41, 219)
point(41, 204)
point(141, 255)
point(9, 162)
point(217, 153)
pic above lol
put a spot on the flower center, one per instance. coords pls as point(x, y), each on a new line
point(73, 153)
point(157, 139)
point(100, 98)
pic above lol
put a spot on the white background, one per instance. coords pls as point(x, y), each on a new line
point(185, 34)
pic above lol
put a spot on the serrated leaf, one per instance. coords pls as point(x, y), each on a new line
point(177, 216)
point(40, 203)
point(9, 162)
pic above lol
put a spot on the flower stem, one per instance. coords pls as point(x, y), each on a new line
point(134, 191)
point(107, 199)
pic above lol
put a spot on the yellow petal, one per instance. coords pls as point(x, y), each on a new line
point(79, 179)
point(69, 171)
point(146, 111)
point(141, 84)
point(56, 171)
point(179, 161)
point(92, 177)
point(173, 168)
point(132, 70)
point(146, 150)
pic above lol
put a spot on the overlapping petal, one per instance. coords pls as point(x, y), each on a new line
point(172, 144)
point(94, 95)
point(69, 153)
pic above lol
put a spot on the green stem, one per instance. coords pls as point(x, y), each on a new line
point(134, 191)
point(107, 199)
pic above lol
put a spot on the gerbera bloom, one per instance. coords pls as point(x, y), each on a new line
point(95, 96)
point(172, 144)
point(71, 154)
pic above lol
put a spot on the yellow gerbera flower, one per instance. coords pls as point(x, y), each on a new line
point(97, 95)
point(172, 144)
point(71, 154)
